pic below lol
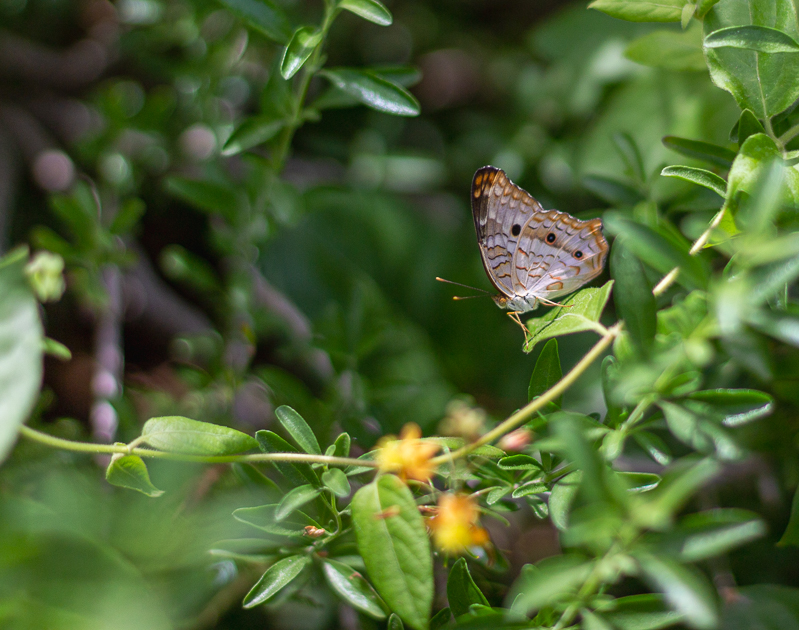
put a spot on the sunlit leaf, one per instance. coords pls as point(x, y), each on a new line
point(641, 10)
point(697, 176)
point(759, 38)
point(373, 90)
point(336, 481)
point(130, 471)
point(298, 429)
point(177, 434)
point(582, 312)
point(672, 50)
point(642, 612)
point(251, 133)
point(21, 345)
point(759, 81)
point(371, 10)
point(551, 580)
point(299, 49)
point(297, 473)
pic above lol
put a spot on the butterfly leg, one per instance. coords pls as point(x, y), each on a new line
point(551, 303)
point(514, 315)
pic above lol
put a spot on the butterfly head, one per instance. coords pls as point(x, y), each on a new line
point(518, 304)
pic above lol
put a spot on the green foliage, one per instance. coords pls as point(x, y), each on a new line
point(300, 192)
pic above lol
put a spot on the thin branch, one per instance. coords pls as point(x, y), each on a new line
point(521, 416)
point(86, 447)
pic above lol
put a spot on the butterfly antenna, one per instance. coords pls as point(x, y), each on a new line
point(465, 286)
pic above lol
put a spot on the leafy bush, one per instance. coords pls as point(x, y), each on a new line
point(298, 186)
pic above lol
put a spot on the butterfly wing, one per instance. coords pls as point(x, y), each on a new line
point(557, 254)
point(500, 209)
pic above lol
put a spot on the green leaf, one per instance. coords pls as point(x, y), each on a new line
point(754, 160)
point(791, 534)
point(56, 349)
point(677, 486)
point(697, 176)
point(628, 149)
point(298, 429)
point(336, 481)
point(496, 494)
point(440, 619)
point(686, 590)
point(393, 541)
point(371, 10)
point(531, 487)
point(759, 38)
point(582, 312)
point(251, 133)
point(295, 499)
point(373, 90)
point(712, 153)
point(177, 434)
point(181, 265)
point(130, 471)
point(342, 445)
point(520, 461)
point(714, 532)
point(561, 499)
point(735, 406)
point(672, 50)
point(462, 592)
point(641, 10)
point(276, 577)
point(703, 6)
point(654, 447)
point(130, 212)
point(547, 372)
point(642, 612)
point(551, 580)
point(21, 342)
point(205, 195)
point(297, 473)
point(352, 588)
point(262, 15)
point(633, 297)
point(660, 250)
point(639, 481)
point(263, 517)
point(747, 125)
point(299, 49)
point(253, 478)
point(395, 623)
point(758, 81)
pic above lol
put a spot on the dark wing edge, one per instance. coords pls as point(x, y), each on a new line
point(482, 182)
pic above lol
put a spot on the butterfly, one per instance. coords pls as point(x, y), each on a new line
point(531, 255)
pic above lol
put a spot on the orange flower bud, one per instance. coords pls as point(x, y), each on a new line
point(408, 457)
point(456, 527)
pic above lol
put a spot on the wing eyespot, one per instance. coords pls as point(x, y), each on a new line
point(516, 229)
point(578, 254)
point(551, 237)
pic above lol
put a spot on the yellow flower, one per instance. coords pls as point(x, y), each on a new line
point(408, 457)
point(455, 527)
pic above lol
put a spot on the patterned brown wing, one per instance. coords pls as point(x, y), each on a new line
point(557, 254)
point(500, 210)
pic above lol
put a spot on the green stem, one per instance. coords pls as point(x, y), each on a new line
point(789, 135)
point(85, 447)
point(308, 71)
point(521, 416)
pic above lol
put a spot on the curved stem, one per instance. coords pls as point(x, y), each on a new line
point(84, 447)
point(524, 414)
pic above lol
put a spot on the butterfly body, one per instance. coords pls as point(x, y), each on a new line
point(531, 255)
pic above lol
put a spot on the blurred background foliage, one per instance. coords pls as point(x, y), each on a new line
point(321, 293)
